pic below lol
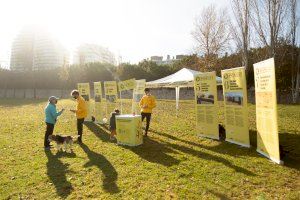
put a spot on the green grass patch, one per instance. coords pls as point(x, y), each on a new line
point(173, 163)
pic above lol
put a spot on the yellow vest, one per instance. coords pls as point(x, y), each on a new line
point(148, 101)
point(81, 111)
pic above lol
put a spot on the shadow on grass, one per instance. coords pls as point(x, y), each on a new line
point(108, 170)
point(157, 152)
point(99, 131)
point(289, 147)
point(61, 154)
point(288, 141)
point(154, 152)
point(20, 102)
point(222, 148)
point(218, 194)
point(206, 156)
point(56, 171)
point(151, 150)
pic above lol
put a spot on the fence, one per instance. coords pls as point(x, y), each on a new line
point(283, 97)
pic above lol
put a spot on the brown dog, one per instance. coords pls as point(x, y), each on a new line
point(62, 142)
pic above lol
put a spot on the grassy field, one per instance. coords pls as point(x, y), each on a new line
point(173, 163)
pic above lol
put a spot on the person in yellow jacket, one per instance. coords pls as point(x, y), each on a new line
point(147, 103)
point(81, 112)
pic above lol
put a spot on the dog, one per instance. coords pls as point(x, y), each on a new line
point(63, 143)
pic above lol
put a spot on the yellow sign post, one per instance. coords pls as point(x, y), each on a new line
point(124, 86)
point(129, 130)
point(266, 110)
point(127, 85)
point(138, 93)
point(98, 108)
point(205, 87)
point(111, 96)
point(84, 91)
point(236, 108)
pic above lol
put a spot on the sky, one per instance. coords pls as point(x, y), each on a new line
point(132, 29)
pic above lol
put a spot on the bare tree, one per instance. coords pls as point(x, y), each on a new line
point(240, 29)
point(211, 33)
point(268, 19)
point(294, 21)
point(64, 76)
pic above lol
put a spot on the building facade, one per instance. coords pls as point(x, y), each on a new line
point(160, 61)
point(36, 49)
point(92, 53)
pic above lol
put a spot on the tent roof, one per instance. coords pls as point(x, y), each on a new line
point(182, 78)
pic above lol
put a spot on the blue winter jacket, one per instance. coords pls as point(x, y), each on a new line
point(51, 113)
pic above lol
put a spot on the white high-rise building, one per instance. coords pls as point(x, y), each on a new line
point(36, 49)
point(91, 53)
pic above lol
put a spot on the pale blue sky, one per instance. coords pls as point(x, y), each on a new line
point(135, 29)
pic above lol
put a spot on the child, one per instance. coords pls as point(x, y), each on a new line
point(112, 124)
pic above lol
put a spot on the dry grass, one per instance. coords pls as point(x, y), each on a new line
point(173, 163)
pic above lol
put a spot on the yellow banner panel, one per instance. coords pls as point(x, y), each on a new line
point(127, 85)
point(266, 110)
point(206, 105)
point(111, 96)
point(236, 106)
point(138, 93)
point(110, 88)
point(98, 108)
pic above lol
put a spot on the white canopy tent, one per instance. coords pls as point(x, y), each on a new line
point(182, 78)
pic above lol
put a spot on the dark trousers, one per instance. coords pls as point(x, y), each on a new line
point(80, 128)
point(49, 131)
point(148, 118)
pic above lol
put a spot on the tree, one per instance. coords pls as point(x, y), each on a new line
point(269, 21)
point(240, 30)
point(211, 33)
point(295, 75)
point(190, 61)
point(64, 75)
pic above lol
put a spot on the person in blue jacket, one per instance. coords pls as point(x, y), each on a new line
point(51, 115)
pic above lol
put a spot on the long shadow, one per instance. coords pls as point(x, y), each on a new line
point(218, 194)
point(221, 148)
point(151, 150)
point(98, 131)
point(289, 147)
point(157, 152)
point(108, 170)
point(289, 142)
point(154, 152)
point(56, 171)
point(61, 154)
point(206, 156)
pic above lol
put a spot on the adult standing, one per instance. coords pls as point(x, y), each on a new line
point(147, 103)
point(51, 115)
point(81, 112)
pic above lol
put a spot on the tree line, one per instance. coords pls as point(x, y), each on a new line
point(68, 77)
point(257, 30)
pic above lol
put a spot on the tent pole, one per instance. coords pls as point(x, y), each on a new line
point(177, 89)
point(121, 102)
